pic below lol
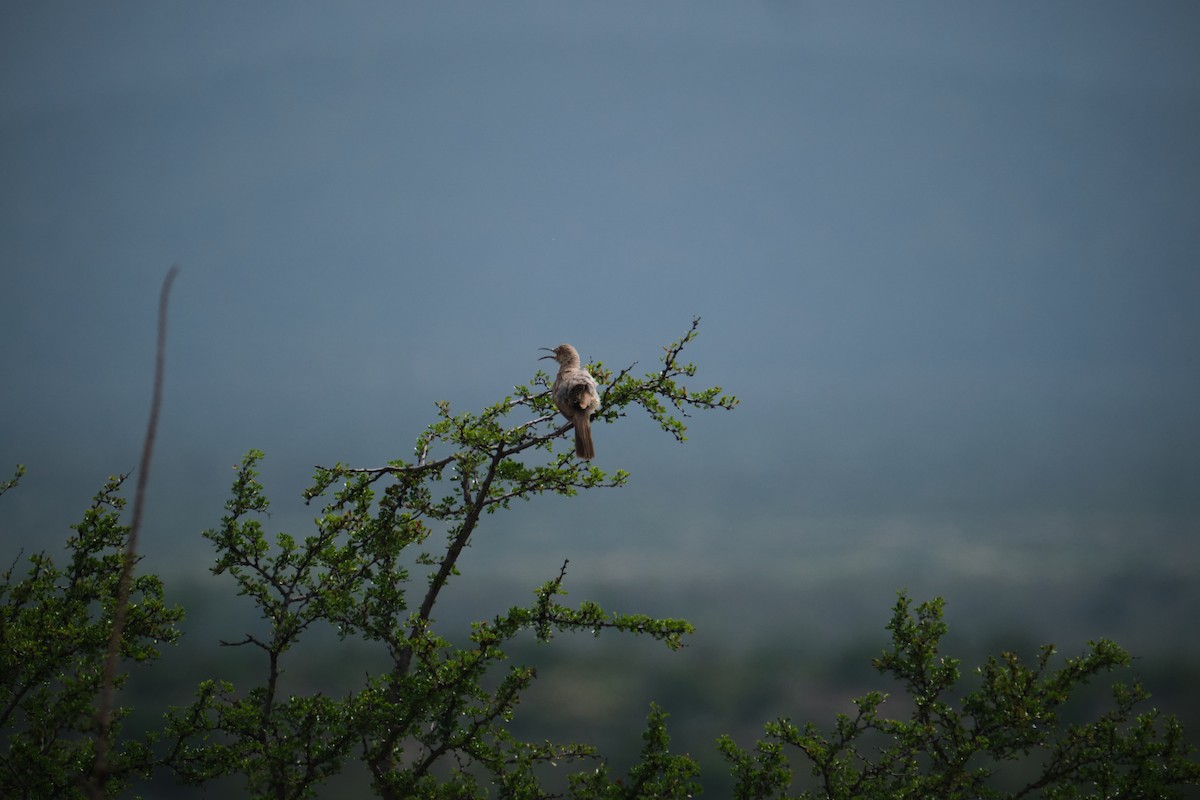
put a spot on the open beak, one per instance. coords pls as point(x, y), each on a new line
point(543, 358)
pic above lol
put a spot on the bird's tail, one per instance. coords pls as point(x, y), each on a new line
point(583, 436)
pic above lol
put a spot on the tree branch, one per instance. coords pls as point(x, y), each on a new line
point(104, 710)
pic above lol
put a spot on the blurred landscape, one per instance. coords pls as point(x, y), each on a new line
point(946, 257)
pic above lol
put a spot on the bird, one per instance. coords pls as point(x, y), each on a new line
point(575, 396)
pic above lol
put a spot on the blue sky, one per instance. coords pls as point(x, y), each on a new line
point(946, 255)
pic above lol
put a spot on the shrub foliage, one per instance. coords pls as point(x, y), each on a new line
point(433, 722)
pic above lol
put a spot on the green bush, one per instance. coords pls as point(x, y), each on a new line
point(433, 721)
point(1005, 738)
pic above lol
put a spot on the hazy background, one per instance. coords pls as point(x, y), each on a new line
point(945, 254)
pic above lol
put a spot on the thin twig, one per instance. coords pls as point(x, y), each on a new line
point(377, 472)
point(104, 710)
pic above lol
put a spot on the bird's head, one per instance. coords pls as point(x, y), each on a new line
point(563, 354)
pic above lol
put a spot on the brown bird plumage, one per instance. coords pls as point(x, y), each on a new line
point(575, 396)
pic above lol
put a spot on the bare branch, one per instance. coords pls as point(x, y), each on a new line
point(104, 711)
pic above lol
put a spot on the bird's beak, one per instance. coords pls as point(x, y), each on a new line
point(552, 353)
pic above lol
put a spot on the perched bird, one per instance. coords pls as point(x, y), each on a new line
point(575, 395)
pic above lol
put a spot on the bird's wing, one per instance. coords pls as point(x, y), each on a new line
point(580, 389)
